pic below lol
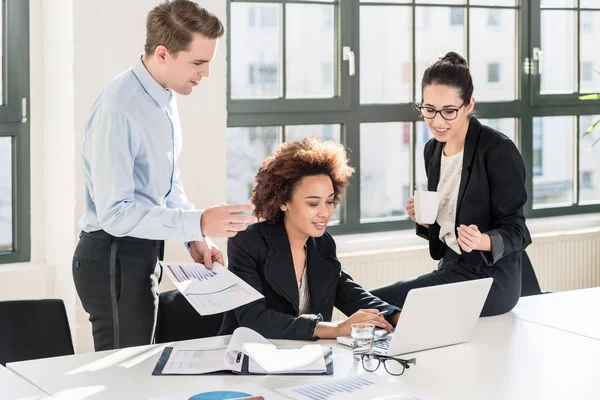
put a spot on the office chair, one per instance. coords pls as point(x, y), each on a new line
point(530, 285)
point(178, 320)
point(31, 329)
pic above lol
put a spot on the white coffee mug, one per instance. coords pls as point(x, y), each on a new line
point(426, 206)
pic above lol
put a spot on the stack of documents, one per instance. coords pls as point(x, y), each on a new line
point(210, 291)
point(247, 353)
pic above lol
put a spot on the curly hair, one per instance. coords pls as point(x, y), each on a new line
point(278, 176)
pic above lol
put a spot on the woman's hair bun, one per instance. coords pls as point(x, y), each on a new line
point(454, 58)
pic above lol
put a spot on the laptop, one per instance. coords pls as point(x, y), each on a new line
point(434, 316)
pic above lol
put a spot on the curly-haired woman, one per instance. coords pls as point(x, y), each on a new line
point(291, 259)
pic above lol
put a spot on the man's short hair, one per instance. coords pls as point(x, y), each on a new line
point(172, 24)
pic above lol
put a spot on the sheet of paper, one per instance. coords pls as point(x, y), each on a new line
point(184, 360)
point(269, 358)
point(355, 388)
point(210, 291)
point(235, 351)
point(266, 357)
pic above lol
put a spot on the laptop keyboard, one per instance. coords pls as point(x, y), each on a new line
point(383, 344)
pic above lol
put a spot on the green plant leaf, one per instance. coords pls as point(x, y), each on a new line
point(590, 97)
point(593, 144)
point(591, 128)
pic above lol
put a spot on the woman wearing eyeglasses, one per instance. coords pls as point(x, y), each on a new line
point(480, 229)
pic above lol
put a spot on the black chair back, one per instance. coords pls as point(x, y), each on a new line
point(530, 285)
point(31, 329)
point(178, 320)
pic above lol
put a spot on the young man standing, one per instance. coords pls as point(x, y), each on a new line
point(134, 198)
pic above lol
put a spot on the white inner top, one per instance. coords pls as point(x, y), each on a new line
point(448, 186)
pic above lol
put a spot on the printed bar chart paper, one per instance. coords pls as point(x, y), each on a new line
point(368, 386)
point(210, 291)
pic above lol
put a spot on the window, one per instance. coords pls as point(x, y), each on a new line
point(406, 134)
point(587, 21)
point(268, 17)
point(493, 73)
point(373, 112)
point(251, 16)
point(457, 16)
point(14, 132)
point(267, 74)
point(406, 73)
point(424, 19)
point(565, 169)
point(537, 148)
point(589, 167)
point(587, 71)
point(262, 75)
point(494, 17)
point(326, 73)
point(587, 177)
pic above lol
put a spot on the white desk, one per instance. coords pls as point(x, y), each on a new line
point(574, 311)
point(13, 387)
point(507, 358)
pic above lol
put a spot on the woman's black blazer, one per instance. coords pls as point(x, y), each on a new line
point(262, 257)
point(491, 195)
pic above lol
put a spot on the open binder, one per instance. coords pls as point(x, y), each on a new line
point(248, 353)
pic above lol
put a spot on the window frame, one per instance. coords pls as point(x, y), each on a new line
point(14, 123)
point(281, 112)
point(567, 99)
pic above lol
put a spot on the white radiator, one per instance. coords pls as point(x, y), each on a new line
point(567, 261)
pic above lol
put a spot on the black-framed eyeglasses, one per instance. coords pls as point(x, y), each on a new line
point(449, 114)
point(393, 366)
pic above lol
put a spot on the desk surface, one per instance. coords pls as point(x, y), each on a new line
point(13, 387)
point(507, 358)
point(574, 311)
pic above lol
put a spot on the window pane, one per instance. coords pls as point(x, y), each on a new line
point(384, 172)
point(387, 1)
point(440, 1)
point(589, 167)
point(255, 50)
point(590, 57)
point(385, 68)
point(492, 60)
point(557, 3)
point(6, 221)
point(422, 136)
point(552, 161)
point(508, 3)
point(589, 4)
point(435, 36)
point(558, 44)
point(322, 132)
point(247, 148)
point(310, 51)
point(504, 125)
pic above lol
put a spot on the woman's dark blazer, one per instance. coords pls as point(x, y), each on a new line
point(491, 195)
point(262, 257)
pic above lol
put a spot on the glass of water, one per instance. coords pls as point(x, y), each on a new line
point(362, 339)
